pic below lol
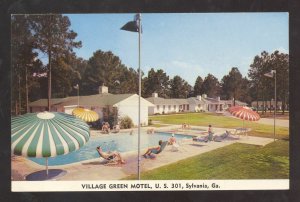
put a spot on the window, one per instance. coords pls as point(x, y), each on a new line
point(174, 107)
point(157, 107)
point(187, 107)
point(164, 107)
point(169, 107)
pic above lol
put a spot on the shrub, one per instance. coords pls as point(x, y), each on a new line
point(97, 124)
point(126, 122)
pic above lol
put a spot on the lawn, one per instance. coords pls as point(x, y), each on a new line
point(236, 161)
point(219, 120)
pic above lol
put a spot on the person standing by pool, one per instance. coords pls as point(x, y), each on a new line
point(209, 129)
point(153, 150)
point(210, 132)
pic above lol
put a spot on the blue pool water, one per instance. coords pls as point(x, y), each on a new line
point(122, 142)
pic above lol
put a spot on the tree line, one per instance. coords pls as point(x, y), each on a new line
point(50, 36)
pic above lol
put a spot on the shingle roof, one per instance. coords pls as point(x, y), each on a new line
point(181, 101)
point(163, 101)
point(44, 102)
point(159, 100)
point(90, 100)
point(193, 100)
point(190, 100)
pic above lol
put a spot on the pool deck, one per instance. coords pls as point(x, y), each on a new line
point(95, 169)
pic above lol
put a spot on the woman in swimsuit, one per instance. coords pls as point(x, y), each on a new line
point(110, 155)
point(153, 150)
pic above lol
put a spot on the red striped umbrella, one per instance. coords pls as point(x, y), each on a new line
point(244, 113)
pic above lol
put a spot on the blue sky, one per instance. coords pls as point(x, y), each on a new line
point(189, 44)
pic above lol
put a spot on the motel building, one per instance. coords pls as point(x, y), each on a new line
point(200, 103)
point(104, 103)
point(267, 105)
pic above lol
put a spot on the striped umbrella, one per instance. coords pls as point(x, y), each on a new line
point(244, 113)
point(47, 134)
point(85, 114)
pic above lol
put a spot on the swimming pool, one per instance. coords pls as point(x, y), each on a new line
point(122, 142)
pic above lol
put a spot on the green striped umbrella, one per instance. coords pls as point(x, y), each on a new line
point(47, 134)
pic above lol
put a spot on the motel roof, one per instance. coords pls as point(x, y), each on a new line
point(89, 100)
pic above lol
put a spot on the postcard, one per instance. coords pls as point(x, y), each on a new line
point(150, 102)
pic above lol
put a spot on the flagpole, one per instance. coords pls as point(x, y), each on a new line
point(135, 26)
point(140, 84)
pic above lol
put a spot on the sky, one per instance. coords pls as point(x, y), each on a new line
point(185, 44)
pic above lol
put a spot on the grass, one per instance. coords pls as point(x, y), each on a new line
point(236, 161)
point(218, 120)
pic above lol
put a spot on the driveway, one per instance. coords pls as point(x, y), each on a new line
point(279, 122)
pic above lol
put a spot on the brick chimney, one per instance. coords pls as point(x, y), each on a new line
point(199, 97)
point(154, 95)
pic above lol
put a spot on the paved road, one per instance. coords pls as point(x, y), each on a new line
point(279, 122)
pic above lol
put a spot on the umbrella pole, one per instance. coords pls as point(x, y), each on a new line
point(243, 127)
point(47, 172)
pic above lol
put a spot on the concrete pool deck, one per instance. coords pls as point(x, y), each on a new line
point(94, 169)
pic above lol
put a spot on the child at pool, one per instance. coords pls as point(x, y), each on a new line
point(153, 150)
point(110, 155)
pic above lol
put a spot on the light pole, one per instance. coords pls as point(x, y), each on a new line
point(135, 26)
point(77, 88)
point(272, 74)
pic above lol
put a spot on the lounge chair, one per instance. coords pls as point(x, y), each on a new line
point(225, 136)
point(207, 138)
point(111, 160)
point(162, 147)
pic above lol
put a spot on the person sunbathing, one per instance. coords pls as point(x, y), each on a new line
point(110, 155)
point(153, 150)
point(207, 138)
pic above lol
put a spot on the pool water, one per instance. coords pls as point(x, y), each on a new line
point(122, 142)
